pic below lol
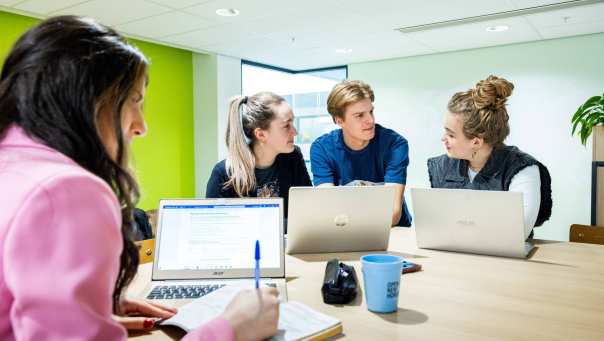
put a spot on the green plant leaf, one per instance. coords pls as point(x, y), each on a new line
point(585, 132)
point(592, 100)
point(578, 118)
point(588, 115)
point(577, 115)
point(574, 128)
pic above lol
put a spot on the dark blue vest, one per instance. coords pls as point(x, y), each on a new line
point(496, 175)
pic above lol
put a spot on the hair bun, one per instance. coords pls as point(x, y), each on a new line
point(492, 92)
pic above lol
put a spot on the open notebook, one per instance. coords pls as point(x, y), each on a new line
point(296, 320)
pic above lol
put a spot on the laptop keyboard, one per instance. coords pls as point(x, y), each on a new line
point(172, 292)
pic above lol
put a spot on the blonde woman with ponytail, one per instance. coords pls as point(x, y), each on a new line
point(476, 125)
point(262, 159)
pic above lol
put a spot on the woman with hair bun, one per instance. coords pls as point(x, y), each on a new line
point(476, 126)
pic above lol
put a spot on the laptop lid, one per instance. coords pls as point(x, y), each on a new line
point(484, 222)
point(215, 238)
point(339, 218)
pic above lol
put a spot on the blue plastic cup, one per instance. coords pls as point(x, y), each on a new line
point(381, 278)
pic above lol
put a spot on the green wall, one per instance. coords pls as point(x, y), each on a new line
point(11, 28)
point(164, 159)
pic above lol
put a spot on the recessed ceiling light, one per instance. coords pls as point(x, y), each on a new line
point(227, 12)
point(498, 28)
point(343, 50)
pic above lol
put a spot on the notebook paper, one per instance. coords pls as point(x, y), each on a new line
point(296, 320)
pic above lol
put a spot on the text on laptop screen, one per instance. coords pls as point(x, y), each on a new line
point(200, 237)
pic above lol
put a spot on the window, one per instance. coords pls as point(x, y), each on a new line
point(305, 91)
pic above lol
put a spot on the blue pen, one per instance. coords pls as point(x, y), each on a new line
point(257, 258)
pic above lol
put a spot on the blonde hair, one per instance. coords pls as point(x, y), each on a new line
point(482, 110)
point(345, 93)
point(245, 115)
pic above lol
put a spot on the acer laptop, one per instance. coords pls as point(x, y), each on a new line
point(204, 244)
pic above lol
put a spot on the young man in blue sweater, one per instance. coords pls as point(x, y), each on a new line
point(361, 151)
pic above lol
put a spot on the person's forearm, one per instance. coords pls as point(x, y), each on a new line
point(396, 217)
point(399, 197)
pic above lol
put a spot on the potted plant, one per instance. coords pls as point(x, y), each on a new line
point(588, 116)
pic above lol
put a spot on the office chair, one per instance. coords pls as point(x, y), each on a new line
point(152, 215)
point(586, 234)
point(145, 250)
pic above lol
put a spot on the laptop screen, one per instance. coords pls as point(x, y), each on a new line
point(218, 236)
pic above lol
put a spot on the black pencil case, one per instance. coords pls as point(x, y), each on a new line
point(339, 284)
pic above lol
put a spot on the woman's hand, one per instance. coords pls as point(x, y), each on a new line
point(142, 314)
point(254, 314)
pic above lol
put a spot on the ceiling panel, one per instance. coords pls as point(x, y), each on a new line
point(570, 16)
point(518, 4)
point(403, 13)
point(570, 21)
point(9, 2)
point(177, 4)
point(276, 10)
point(323, 29)
point(164, 24)
point(224, 33)
point(378, 42)
point(572, 29)
point(475, 35)
point(44, 6)
point(115, 12)
point(365, 47)
point(263, 46)
point(249, 10)
point(306, 34)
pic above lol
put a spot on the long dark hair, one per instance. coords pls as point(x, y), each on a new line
point(59, 76)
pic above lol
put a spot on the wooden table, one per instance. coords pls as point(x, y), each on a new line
point(557, 294)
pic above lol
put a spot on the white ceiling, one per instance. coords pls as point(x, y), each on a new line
point(305, 34)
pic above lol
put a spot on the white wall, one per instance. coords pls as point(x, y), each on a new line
point(552, 78)
point(229, 85)
point(216, 78)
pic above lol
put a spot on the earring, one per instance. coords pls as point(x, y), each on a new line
point(473, 154)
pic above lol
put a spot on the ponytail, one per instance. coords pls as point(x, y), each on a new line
point(245, 115)
point(240, 162)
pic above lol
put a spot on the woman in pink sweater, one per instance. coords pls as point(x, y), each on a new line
point(71, 100)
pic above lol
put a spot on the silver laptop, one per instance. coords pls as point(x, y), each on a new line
point(483, 222)
point(339, 218)
point(204, 244)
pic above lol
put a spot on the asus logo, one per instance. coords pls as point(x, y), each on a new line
point(218, 273)
point(466, 222)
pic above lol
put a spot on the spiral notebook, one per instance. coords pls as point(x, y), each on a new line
point(296, 320)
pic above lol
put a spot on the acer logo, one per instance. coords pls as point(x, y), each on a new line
point(218, 273)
